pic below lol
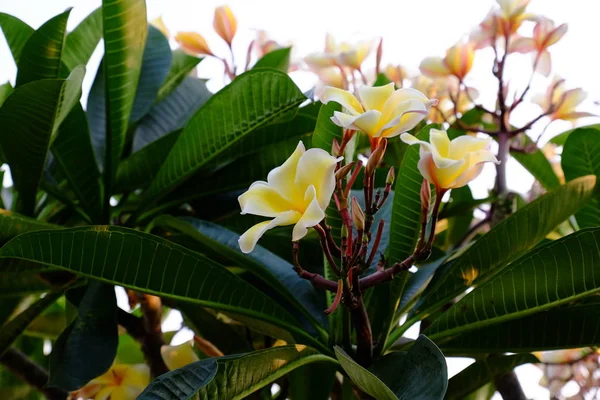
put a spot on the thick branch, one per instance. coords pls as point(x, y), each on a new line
point(20, 365)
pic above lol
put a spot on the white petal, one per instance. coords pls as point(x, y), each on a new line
point(439, 139)
point(367, 122)
point(282, 177)
point(248, 240)
point(311, 217)
point(316, 168)
point(373, 98)
point(410, 140)
point(343, 97)
point(462, 145)
point(544, 64)
point(262, 199)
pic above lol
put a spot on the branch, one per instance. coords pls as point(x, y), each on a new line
point(318, 281)
point(20, 365)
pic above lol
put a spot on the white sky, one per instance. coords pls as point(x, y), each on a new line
point(411, 30)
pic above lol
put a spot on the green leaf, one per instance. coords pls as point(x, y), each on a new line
point(13, 224)
point(140, 261)
point(5, 91)
point(483, 371)
point(231, 377)
point(571, 326)
point(181, 66)
point(73, 151)
point(21, 284)
point(405, 225)
point(278, 274)
point(14, 327)
point(16, 33)
point(33, 114)
point(312, 382)
point(87, 348)
point(458, 226)
point(419, 374)
point(548, 276)
point(579, 158)
point(228, 119)
point(561, 139)
point(382, 80)
point(83, 40)
point(156, 63)
point(538, 165)
point(365, 380)
point(41, 56)
point(171, 114)
point(124, 29)
point(277, 59)
point(507, 241)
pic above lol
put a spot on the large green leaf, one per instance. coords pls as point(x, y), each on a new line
point(156, 63)
point(458, 226)
point(419, 374)
point(83, 40)
point(41, 56)
point(579, 158)
point(506, 241)
point(14, 327)
point(181, 66)
point(171, 114)
point(278, 59)
point(31, 117)
point(361, 377)
point(231, 377)
point(13, 224)
point(87, 348)
point(538, 165)
point(73, 151)
point(16, 33)
point(151, 264)
point(228, 119)
point(5, 90)
point(278, 274)
point(21, 284)
point(483, 371)
point(550, 275)
point(312, 382)
point(561, 139)
point(124, 30)
point(559, 328)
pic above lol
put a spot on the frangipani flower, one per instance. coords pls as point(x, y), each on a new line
point(451, 164)
point(564, 101)
point(501, 22)
point(458, 62)
point(344, 54)
point(296, 193)
point(178, 356)
point(193, 43)
point(225, 23)
point(545, 34)
point(384, 113)
point(395, 73)
point(120, 382)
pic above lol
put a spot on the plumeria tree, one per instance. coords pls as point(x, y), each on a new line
point(299, 235)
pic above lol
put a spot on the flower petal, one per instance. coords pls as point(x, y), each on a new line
point(262, 199)
point(373, 98)
point(178, 356)
point(544, 64)
point(343, 97)
point(462, 145)
point(407, 115)
point(410, 140)
point(426, 166)
point(556, 35)
point(316, 168)
point(475, 162)
point(440, 141)
point(311, 217)
point(282, 178)
point(367, 122)
point(521, 45)
point(434, 67)
point(249, 238)
point(391, 107)
point(573, 98)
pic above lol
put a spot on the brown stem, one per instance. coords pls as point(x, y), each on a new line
point(509, 387)
point(353, 300)
point(326, 249)
point(23, 367)
point(386, 275)
point(376, 242)
point(318, 281)
point(333, 247)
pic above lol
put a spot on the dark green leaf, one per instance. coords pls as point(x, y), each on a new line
point(87, 348)
point(579, 158)
point(561, 139)
point(73, 151)
point(458, 226)
point(228, 119)
point(507, 241)
point(21, 284)
point(13, 224)
point(151, 264)
point(231, 377)
point(277, 59)
point(483, 371)
point(5, 90)
point(32, 115)
point(381, 80)
point(312, 382)
point(550, 275)
point(41, 56)
point(14, 327)
point(181, 66)
point(16, 33)
point(83, 40)
point(124, 29)
point(365, 380)
point(419, 374)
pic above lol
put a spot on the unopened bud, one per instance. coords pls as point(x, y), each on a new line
point(335, 148)
point(193, 43)
point(365, 238)
point(343, 172)
point(425, 194)
point(225, 23)
point(344, 232)
point(358, 216)
point(376, 157)
point(391, 175)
